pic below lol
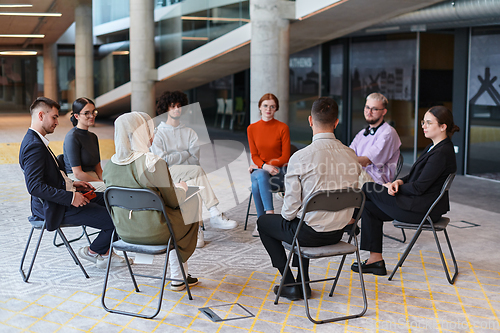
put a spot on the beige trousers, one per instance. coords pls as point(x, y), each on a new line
point(194, 175)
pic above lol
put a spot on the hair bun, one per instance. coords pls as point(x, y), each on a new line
point(454, 129)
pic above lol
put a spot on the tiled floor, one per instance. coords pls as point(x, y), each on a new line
point(234, 268)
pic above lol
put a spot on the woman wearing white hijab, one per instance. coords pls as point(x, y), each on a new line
point(134, 166)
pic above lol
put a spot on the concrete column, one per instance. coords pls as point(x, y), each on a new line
point(142, 56)
point(269, 54)
point(84, 50)
point(50, 71)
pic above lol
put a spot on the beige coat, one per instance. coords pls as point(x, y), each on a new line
point(149, 227)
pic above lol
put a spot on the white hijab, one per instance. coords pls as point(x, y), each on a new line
point(133, 135)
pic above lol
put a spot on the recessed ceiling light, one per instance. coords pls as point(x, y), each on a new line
point(18, 53)
point(30, 14)
point(120, 52)
point(16, 6)
point(195, 38)
point(21, 36)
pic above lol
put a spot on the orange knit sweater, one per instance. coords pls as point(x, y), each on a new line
point(269, 142)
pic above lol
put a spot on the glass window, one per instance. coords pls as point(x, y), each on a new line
point(18, 83)
point(304, 90)
point(484, 105)
point(387, 67)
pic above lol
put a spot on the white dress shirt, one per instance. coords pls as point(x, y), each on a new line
point(326, 164)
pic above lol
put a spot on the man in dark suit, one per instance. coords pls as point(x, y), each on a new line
point(54, 197)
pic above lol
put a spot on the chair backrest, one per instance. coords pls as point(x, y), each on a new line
point(60, 160)
point(229, 106)
point(399, 166)
point(221, 105)
point(447, 183)
point(133, 199)
point(444, 189)
point(335, 200)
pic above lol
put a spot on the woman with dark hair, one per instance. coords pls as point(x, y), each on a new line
point(269, 141)
point(81, 147)
point(408, 198)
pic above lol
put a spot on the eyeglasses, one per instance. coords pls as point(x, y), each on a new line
point(271, 107)
point(426, 122)
point(90, 114)
point(367, 108)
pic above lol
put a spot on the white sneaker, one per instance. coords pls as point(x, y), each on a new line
point(222, 222)
point(255, 232)
point(83, 252)
point(200, 242)
point(116, 261)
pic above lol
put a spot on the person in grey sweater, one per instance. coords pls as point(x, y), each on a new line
point(178, 145)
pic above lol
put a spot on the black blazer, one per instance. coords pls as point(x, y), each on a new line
point(43, 180)
point(426, 178)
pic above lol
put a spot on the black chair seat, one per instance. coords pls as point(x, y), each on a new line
point(338, 249)
point(439, 225)
point(121, 245)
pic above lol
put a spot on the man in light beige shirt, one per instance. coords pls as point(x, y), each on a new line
point(326, 164)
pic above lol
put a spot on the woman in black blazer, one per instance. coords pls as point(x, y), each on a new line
point(408, 198)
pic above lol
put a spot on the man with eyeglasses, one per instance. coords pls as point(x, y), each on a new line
point(377, 145)
point(55, 198)
point(178, 145)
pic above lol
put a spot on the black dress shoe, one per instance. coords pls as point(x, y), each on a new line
point(376, 268)
point(348, 229)
point(291, 293)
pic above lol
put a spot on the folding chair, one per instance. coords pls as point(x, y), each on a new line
point(428, 225)
point(40, 225)
point(134, 199)
point(399, 166)
point(332, 201)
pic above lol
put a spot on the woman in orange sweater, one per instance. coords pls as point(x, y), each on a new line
point(269, 141)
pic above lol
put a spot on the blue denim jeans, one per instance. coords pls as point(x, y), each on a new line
point(263, 184)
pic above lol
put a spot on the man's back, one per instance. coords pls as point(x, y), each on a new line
point(325, 164)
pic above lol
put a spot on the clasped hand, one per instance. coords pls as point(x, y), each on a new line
point(393, 188)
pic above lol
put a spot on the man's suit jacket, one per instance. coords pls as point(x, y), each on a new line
point(43, 180)
point(426, 178)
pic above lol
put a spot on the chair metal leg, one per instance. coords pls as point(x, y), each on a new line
point(248, 210)
point(287, 268)
point(71, 240)
point(71, 252)
point(445, 266)
point(27, 276)
point(397, 239)
point(132, 275)
point(304, 292)
point(339, 270)
point(407, 251)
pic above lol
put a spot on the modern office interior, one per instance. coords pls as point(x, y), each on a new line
point(225, 54)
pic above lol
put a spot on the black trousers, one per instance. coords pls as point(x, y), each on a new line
point(95, 215)
point(273, 229)
point(381, 207)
